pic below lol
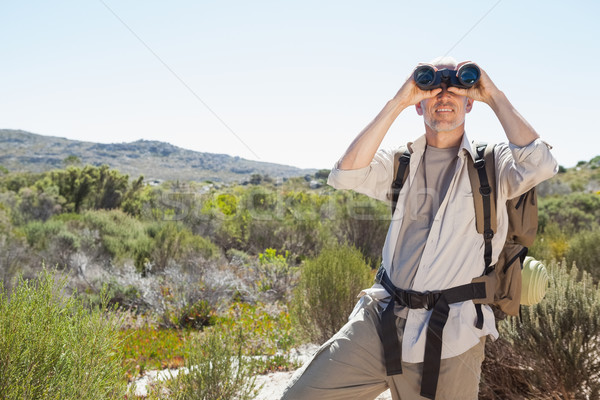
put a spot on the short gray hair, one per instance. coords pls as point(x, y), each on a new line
point(444, 61)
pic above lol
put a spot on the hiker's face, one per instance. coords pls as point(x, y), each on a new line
point(446, 111)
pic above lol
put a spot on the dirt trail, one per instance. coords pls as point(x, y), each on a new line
point(273, 384)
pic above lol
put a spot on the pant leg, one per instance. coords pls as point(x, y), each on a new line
point(351, 365)
point(459, 377)
point(348, 366)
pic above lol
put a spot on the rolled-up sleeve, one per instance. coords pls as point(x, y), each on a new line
point(373, 180)
point(521, 168)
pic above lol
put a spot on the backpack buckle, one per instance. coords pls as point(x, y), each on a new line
point(488, 234)
point(426, 300)
point(432, 298)
point(485, 190)
point(480, 163)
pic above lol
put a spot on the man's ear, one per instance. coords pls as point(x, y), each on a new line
point(419, 108)
point(469, 105)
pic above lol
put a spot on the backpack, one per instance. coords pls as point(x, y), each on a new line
point(502, 280)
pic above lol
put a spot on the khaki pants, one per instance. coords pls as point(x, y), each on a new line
point(351, 365)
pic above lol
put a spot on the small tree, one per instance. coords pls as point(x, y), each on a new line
point(326, 293)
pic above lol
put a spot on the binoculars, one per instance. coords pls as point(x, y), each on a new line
point(428, 77)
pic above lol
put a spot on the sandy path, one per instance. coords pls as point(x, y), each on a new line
point(273, 384)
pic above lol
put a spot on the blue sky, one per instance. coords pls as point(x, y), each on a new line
point(291, 82)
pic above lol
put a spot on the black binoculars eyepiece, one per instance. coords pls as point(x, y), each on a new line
point(428, 77)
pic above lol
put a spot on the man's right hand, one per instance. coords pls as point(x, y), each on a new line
point(410, 94)
point(365, 145)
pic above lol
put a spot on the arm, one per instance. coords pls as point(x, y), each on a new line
point(365, 145)
point(527, 161)
point(517, 129)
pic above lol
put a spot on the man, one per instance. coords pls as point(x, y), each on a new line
point(432, 244)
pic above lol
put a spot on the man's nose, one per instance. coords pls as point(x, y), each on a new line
point(444, 92)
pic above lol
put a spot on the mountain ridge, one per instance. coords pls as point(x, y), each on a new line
point(155, 160)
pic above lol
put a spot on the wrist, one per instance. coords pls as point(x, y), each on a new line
point(496, 99)
point(397, 104)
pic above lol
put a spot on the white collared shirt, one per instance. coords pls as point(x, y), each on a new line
point(453, 253)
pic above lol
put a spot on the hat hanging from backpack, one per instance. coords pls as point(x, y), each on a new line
point(534, 281)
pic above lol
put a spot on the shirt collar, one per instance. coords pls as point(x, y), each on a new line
point(418, 146)
point(466, 147)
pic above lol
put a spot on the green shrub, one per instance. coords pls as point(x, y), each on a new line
point(327, 290)
point(52, 240)
point(52, 347)
point(216, 370)
point(363, 222)
point(560, 337)
point(16, 180)
point(239, 258)
point(13, 248)
point(39, 234)
point(121, 235)
point(275, 275)
point(196, 315)
point(174, 242)
point(39, 205)
point(584, 249)
point(551, 244)
point(92, 187)
point(572, 212)
point(118, 296)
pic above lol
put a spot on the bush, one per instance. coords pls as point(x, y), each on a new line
point(121, 235)
point(173, 242)
point(275, 275)
point(560, 337)
point(195, 315)
point(363, 222)
point(40, 234)
point(507, 373)
point(216, 370)
point(327, 290)
point(52, 347)
point(118, 296)
point(552, 244)
point(572, 212)
point(39, 206)
point(13, 248)
point(584, 250)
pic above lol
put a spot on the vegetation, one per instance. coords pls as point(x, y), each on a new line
point(554, 350)
point(52, 347)
point(327, 291)
point(216, 369)
point(569, 227)
point(148, 348)
point(236, 275)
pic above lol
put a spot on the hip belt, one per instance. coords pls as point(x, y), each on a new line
point(437, 301)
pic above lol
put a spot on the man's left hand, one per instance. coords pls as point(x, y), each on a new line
point(483, 91)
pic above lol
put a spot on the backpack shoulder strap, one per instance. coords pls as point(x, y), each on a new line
point(401, 167)
point(482, 174)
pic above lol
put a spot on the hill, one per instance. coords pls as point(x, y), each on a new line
point(584, 177)
point(25, 151)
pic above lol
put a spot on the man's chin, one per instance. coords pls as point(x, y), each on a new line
point(441, 127)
